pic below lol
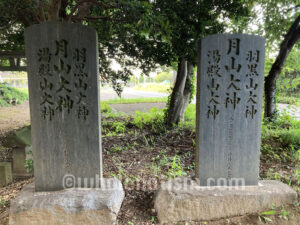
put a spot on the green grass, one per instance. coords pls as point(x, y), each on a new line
point(105, 108)
point(23, 90)
point(289, 100)
point(9, 95)
point(135, 100)
point(162, 88)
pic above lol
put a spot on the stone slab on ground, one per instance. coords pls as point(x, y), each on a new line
point(131, 108)
point(182, 199)
point(68, 207)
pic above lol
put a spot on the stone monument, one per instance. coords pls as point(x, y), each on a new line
point(229, 108)
point(63, 80)
point(230, 82)
point(64, 103)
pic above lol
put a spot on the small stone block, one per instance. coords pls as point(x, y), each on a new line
point(76, 206)
point(182, 199)
point(5, 173)
point(19, 159)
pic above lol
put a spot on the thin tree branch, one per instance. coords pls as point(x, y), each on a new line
point(292, 8)
point(92, 2)
point(102, 18)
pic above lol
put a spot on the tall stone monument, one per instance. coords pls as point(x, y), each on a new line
point(64, 99)
point(229, 104)
point(64, 102)
point(228, 129)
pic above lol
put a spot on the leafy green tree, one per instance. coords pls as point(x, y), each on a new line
point(280, 26)
point(121, 24)
point(290, 39)
point(137, 33)
point(289, 79)
point(183, 24)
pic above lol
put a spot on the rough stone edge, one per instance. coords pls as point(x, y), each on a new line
point(83, 203)
point(173, 192)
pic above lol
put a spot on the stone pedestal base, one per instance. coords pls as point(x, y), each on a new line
point(68, 207)
point(182, 199)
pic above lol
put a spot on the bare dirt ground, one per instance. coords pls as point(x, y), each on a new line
point(14, 117)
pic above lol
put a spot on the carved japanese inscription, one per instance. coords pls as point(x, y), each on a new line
point(229, 101)
point(64, 102)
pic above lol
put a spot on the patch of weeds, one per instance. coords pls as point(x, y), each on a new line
point(117, 148)
point(113, 127)
point(176, 169)
point(264, 216)
point(154, 120)
point(280, 212)
point(271, 175)
point(284, 214)
point(105, 108)
point(131, 179)
point(110, 134)
point(269, 152)
point(119, 127)
point(146, 141)
point(3, 202)
point(281, 140)
point(171, 164)
point(191, 166)
point(29, 162)
point(159, 161)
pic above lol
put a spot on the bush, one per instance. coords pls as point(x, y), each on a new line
point(105, 108)
point(11, 96)
point(290, 138)
point(154, 118)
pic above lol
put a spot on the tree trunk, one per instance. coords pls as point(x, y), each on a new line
point(187, 89)
point(53, 10)
point(181, 93)
point(286, 46)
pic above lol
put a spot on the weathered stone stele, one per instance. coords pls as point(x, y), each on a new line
point(229, 102)
point(64, 103)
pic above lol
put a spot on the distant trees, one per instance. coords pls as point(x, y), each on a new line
point(164, 76)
